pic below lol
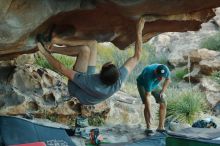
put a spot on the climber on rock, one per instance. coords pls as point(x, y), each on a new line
point(84, 84)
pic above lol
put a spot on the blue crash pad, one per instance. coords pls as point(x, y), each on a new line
point(20, 131)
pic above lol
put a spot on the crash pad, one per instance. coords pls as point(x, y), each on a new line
point(14, 131)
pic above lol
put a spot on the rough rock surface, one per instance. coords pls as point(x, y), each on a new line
point(176, 45)
point(216, 109)
point(212, 90)
point(174, 126)
point(32, 90)
point(21, 20)
point(210, 65)
point(40, 92)
point(194, 76)
point(198, 55)
point(203, 62)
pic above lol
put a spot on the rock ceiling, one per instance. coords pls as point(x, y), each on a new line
point(103, 20)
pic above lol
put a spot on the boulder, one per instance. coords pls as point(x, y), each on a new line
point(39, 92)
point(125, 109)
point(198, 55)
point(176, 59)
point(175, 126)
point(25, 59)
point(216, 109)
point(181, 43)
point(7, 63)
point(193, 76)
point(208, 84)
point(21, 21)
point(216, 19)
point(42, 93)
point(161, 42)
point(177, 45)
point(213, 98)
point(211, 90)
point(210, 65)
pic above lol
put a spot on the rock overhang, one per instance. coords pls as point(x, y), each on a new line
point(104, 20)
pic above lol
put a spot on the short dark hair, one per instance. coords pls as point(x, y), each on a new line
point(109, 74)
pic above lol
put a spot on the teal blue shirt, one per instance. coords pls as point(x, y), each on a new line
point(149, 79)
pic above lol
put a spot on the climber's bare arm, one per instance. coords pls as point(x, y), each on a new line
point(133, 61)
point(56, 64)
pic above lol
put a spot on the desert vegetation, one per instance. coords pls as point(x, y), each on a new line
point(212, 42)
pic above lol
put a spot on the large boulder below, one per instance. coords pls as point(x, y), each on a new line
point(32, 90)
point(42, 93)
point(112, 20)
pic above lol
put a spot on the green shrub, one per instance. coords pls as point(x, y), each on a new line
point(105, 53)
point(212, 43)
point(42, 62)
point(216, 76)
point(178, 74)
point(66, 60)
point(185, 105)
point(52, 118)
point(96, 120)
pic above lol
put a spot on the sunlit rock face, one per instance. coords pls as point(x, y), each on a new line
point(112, 20)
